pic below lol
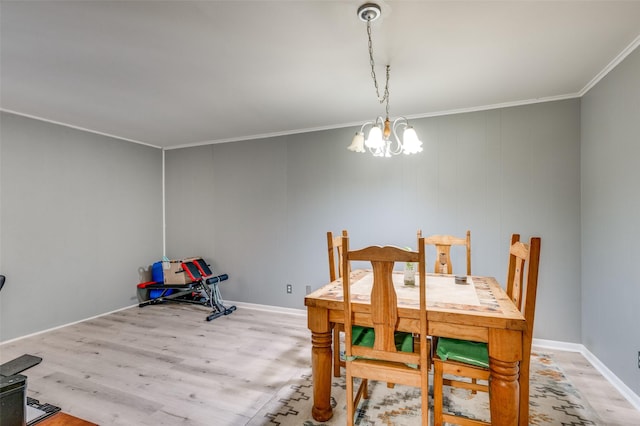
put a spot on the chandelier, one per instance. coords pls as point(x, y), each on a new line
point(379, 141)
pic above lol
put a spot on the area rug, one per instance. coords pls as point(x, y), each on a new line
point(553, 401)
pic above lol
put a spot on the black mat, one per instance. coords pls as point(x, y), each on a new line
point(37, 411)
point(19, 364)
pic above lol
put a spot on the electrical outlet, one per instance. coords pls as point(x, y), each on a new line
point(308, 289)
point(638, 359)
point(289, 288)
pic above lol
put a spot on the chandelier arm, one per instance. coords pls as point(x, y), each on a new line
point(366, 123)
point(399, 123)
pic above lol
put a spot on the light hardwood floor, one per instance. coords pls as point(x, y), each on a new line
point(165, 365)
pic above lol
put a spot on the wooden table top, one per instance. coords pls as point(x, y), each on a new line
point(481, 301)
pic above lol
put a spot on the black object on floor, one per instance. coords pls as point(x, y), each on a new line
point(19, 364)
point(12, 395)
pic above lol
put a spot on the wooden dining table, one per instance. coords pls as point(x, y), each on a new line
point(477, 310)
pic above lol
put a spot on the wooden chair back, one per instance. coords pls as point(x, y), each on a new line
point(443, 243)
point(334, 250)
point(383, 361)
point(523, 294)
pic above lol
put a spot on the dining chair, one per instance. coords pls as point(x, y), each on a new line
point(375, 349)
point(334, 250)
point(443, 243)
point(443, 263)
point(465, 359)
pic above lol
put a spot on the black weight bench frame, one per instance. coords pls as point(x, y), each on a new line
point(203, 290)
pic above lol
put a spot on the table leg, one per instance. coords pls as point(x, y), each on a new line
point(523, 380)
point(321, 370)
point(321, 359)
point(524, 394)
point(504, 390)
point(505, 352)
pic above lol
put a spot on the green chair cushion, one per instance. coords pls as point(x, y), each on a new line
point(365, 336)
point(473, 353)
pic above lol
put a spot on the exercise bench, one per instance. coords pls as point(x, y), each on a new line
point(203, 290)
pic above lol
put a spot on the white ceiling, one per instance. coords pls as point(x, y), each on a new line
point(181, 73)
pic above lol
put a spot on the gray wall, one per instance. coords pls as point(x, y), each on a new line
point(79, 215)
point(611, 220)
point(260, 209)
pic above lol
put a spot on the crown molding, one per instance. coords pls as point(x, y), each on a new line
point(84, 129)
point(606, 70)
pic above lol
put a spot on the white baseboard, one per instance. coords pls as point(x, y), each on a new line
point(64, 325)
point(559, 346)
point(626, 392)
point(257, 307)
point(629, 395)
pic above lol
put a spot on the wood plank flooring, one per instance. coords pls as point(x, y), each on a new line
point(611, 406)
point(165, 365)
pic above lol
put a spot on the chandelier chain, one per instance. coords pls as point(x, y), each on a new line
point(372, 62)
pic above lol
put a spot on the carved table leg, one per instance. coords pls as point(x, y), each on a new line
point(321, 364)
point(505, 352)
point(504, 390)
point(523, 379)
point(321, 339)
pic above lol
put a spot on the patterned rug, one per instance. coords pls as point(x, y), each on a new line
point(553, 401)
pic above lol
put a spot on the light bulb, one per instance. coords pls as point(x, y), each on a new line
point(410, 142)
point(357, 144)
point(374, 140)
